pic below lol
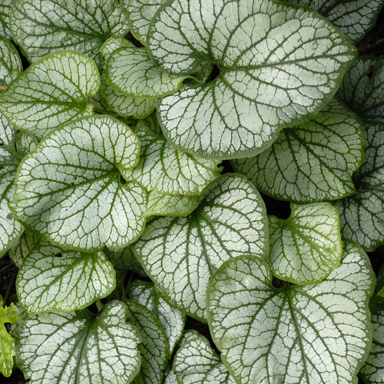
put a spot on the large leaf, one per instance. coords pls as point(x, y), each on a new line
point(5, 9)
point(51, 92)
point(362, 215)
point(79, 347)
point(197, 363)
point(279, 63)
point(307, 247)
point(69, 190)
point(53, 279)
point(170, 318)
point(354, 17)
point(44, 26)
point(10, 62)
point(316, 334)
point(181, 254)
point(7, 344)
point(311, 162)
point(165, 169)
point(154, 348)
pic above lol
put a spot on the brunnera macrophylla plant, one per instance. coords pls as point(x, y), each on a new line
point(117, 212)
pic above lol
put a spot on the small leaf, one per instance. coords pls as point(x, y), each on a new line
point(124, 259)
point(166, 170)
point(85, 348)
point(154, 347)
point(197, 363)
point(44, 26)
point(298, 334)
point(10, 62)
point(53, 279)
point(5, 9)
point(69, 189)
point(51, 92)
point(171, 205)
point(171, 319)
point(311, 162)
point(7, 344)
point(307, 247)
point(22, 247)
point(279, 65)
point(354, 17)
point(181, 254)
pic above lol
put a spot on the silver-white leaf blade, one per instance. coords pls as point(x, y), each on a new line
point(53, 279)
point(354, 17)
point(171, 319)
point(362, 215)
point(51, 92)
point(25, 143)
point(314, 334)
point(10, 62)
point(44, 26)
point(167, 170)
point(311, 162)
point(22, 247)
point(181, 254)
point(69, 189)
point(131, 72)
point(154, 348)
point(85, 348)
point(111, 45)
point(307, 247)
point(197, 363)
point(7, 134)
point(280, 64)
point(5, 9)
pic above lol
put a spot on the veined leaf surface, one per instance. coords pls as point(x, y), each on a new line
point(85, 348)
point(362, 215)
point(154, 348)
point(22, 247)
point(181, 254)
point(51, 92)
point(44, 26)
point(5, 9)
point(171, 319)
point(313, 334)
point(197, 363)
point(307, 247)
point(54, 279)
point(280, 64)
point(124, 259)
point(311, 162)
point(165, 169)
point(69, 189)
point(10, 62)
point(354, 17)
point(25, 143)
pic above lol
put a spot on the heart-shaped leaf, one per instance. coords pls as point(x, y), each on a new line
point(51, 92)
point(197, 363)
point(154, 348)
point(10, 62)
point(69, 190)
point(53, 279)
point(279, 63)
point(5, 9)
point(181, 254)
point(7, 344)
point(354, 17)
point(85, 348)
point(307, 247)
point(311, 162)
point(171, 319)
point(297, 334)
point(167, 170)
point(44, 26)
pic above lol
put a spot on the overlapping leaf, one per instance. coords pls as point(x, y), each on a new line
point(22, 247)
point(154, 348)
point(85, 348)
point(354, 17)
point(279, 64)
point(307, 247)
point(5, 9)
point(181, 254)
point(170, 318)
point(25, 143)
point(53, 279)
point(124, 259)
point(51, 92)
point(69, 190)
point(197, 363)
point(7, 344)
point(44, 26)
point(298, 334)
point(311, 162)
point(10, 62)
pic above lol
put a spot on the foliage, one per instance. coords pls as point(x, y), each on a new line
point(126, 222)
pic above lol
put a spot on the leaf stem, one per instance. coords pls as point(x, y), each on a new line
point(99, 305)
